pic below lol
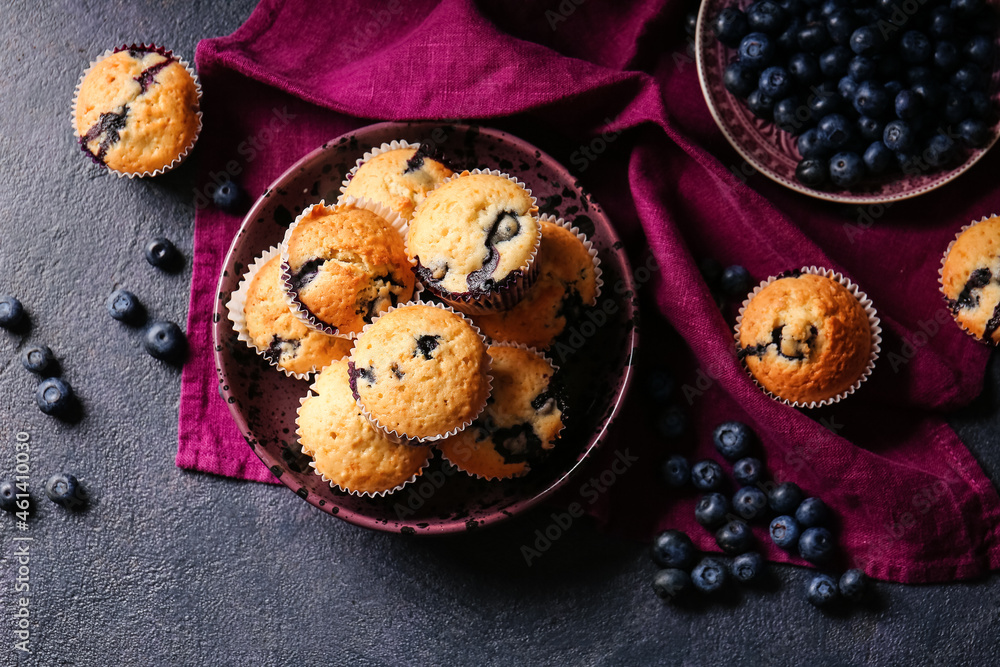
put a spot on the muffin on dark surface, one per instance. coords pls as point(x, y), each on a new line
point(474, 241)
point(970, 279)
point(569, 278)
point(343, 265)
point(136, 111)
point(397, 175)
point(806, 338)
point(522, 420)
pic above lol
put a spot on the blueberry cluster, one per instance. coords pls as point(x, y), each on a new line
point(162, 340)
point(800, 525)
point(53, 395)
point(867, 86)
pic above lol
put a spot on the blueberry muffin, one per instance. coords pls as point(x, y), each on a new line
point(272, 329)
point(522, 419)
point(805, 338)
point(397, 178)
point(344, 265)
point(474, 241)
point(421, 372)
point(970, 279)
point(347, 450)
point(568, 280)
point(136, 111)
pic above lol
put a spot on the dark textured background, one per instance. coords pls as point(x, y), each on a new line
point(169, 567)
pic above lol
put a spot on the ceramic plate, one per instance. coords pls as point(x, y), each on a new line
point(773, 152)
point(597, 370)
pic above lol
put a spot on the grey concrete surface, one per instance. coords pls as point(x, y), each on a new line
point(173, 568)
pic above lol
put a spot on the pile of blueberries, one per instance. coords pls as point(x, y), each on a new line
point(800, 525)
point(162, 340)
point(868, 86)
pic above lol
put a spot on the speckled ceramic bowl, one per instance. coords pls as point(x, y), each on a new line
point(596, 372)
point(774, 153)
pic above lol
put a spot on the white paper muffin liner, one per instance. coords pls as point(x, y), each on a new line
point(299, 309)
point(874, 325)
point(591, 250)
point(236, 307)
point(425, 440)
point(555, 369)
point(941, 287)
point(334, 485)
point(194, 139)
point(512, 288)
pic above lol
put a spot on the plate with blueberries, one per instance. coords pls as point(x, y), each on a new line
point(860, 102)
point(594, 353)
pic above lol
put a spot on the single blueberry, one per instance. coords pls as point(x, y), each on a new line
point(871, 99)
point(968, 77)
point(676, 471)
point(761, 105)
point(946, 57)
point(785, 532)
point(980, 105)
point(788, 40)
point(785, 498)
point(671, 422)
point(671, 582)
point(828, 7)
point(811, 145)
point(164, 341)
point(709, 576)
point(840, 24)
point(852, 585)
point(162, 253)
point(804, 69)
point(747, 568)
point(734, 537)
point(756, 50)
point(791, 115)
point(941, 151)
point(847, 87)
point(812, 512)
point(812, 172)
point(11, 312)
point(733, 439)
point(866, 41)
point(736, 281)
point(942, 23)
point(822, 590)
point(673, 548)
point(914, 47)
point(38, 360)
point(124, 306)
point(660, 383)
point(731, 27)
point(870, 128)
point(750, 503)
point(877, 158)
point(974, 133)
point(816, 544)
point(908, 105)
point(967, 8)
point(230, 196)
point(824, 99)
point(834, 62)
point(711, 510)
point(8, 496)
point(918, 74)
point(846, 169)
point(766, 16)
point(835, 131)
point(931, 93)
point(775, 82)
point(707, 475)
point(748, 471)
point(739, 79)
point(814, 37)
point(64, 489)
point(898, 136)
point(979, 49)
point(54, 397)
point(861, 68)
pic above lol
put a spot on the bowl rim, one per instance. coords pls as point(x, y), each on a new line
point(220, 324)
point(701, 44)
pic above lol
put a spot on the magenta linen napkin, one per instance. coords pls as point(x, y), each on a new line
point(913, 502)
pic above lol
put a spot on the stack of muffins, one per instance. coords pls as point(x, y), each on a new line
point(396, 376)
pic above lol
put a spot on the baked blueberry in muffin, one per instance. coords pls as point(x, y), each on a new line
point(343, 266)
point(805, 338)
point(970, 280)
point(522, 419)
point(420, 371)
point(398, 178)
point(474, 241)
point(136, 111)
